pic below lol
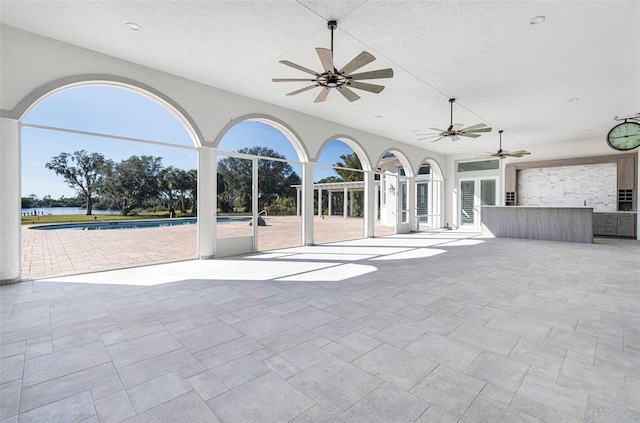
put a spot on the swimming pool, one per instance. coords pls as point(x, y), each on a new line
point(133, 224)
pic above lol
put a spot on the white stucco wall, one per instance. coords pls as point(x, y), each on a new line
point(30, 62)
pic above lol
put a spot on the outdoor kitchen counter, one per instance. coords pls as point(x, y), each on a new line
point(570, 224)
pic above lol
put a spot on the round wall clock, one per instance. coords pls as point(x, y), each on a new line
point(625, 136)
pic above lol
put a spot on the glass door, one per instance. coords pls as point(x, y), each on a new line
point(422, 203)
point(467, 203)
point(475, 193)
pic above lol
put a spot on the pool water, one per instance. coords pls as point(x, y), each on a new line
point(133, 224)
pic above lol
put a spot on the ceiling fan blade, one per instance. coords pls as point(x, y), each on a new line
point(464, 134)
point(437, 139)
point(456, 126)
point(477, 126)
point(455, 138)
point(429, 136)
point(376, 74)
point(348, 94)
point(438, 129)
point(296, 66)
point(357, 62)
point(326, 58)
point(291, 79)
point(518, 153)
point(322, 96)
point(367, 87)
point(303, 89)
point(477, 130)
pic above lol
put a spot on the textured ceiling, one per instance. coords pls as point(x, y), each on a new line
point(502, 70)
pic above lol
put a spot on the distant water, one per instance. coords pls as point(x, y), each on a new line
point(63, 210)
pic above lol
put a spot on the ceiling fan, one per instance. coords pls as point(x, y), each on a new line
point(504, 154)
point(456, 130)
point(342, 80)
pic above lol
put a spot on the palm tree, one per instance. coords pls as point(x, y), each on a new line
point(351, 161)
point(168, 181)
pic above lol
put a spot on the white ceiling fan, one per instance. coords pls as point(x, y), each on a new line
point(456, 130)
point(342, 80)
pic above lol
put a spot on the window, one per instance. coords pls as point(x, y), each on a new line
point(481, 165)
point(488, 192)
point(424, 170)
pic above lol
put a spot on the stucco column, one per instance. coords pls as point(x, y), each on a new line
point(319, 201)
point(207, 192)
point(350, 203)
point(10, 227)
point(370, 204)
point(345, 202)
point(307, 203)
point(329, 202)
point(411, 192)
point(298, 191)
point(638, 197)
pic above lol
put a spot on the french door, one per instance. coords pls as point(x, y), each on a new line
point(475, 193)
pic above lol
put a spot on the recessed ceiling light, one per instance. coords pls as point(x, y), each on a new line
point(377, 117)
point(537, 20)
point(573, 100)
point(134, 26)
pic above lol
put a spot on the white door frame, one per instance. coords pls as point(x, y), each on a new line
point(477, 199)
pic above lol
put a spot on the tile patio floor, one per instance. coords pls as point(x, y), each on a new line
point(426, 327)
point(67, 252)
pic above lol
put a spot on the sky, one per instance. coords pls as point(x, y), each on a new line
point(120, 112)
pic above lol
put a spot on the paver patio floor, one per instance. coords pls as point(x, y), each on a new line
point(423, 327)
point(47, 253)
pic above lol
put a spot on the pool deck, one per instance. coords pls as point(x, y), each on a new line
point(66, 252)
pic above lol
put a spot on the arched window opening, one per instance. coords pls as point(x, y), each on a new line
point(394, 198)
point(339, 192)
point(429, 189)
point(98, 157)
point(258, 176)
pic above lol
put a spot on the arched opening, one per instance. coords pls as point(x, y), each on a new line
point(99, 156)
point(429, 195)
point(339, 191)
point(396, 192)
point(258, 171)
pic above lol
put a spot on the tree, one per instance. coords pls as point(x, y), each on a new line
point(225, 196)
point(27, 202)
point(168, 181)
point(351, 161)
point(192, 182)
point(134, 181)
point(183, 186)
point(274, 178)
point(83, 172)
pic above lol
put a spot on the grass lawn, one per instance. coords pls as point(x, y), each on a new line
point(79, 218)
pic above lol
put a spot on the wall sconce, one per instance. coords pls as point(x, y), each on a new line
point(392, 189)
